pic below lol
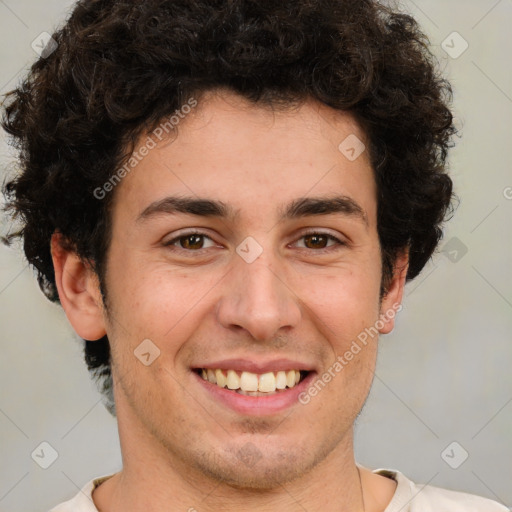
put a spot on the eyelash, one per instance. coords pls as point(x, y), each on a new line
point(339, 243)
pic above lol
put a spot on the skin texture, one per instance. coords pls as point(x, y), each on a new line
point(181, 447)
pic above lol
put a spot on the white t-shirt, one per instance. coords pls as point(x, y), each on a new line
point(408, 497)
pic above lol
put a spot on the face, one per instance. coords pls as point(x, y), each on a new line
point(245, 251)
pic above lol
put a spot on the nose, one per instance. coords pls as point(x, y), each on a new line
point(258, 299)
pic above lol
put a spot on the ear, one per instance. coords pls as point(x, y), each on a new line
point(392, 302)
point(79, 291)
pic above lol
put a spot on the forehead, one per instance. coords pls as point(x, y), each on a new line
point(235, 117)
point(243, 154)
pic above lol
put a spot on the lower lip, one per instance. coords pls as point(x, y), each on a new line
point(256, 405)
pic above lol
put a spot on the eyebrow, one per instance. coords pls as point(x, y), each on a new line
point(311, 206)
point(298, 208)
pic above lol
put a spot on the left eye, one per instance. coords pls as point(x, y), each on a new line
point(319, 240)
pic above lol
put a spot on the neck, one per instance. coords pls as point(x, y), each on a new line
point(132, 492)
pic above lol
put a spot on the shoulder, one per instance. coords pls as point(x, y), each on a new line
point(412, 497)
point(83, 501)
point(454, 501)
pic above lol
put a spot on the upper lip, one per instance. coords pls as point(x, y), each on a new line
point(254, 365)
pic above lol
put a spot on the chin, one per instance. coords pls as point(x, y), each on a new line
point(259, 477)
point(251, 466)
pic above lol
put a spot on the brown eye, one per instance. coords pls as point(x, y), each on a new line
point(192, 241)
point(320, 242)
point(316, 241)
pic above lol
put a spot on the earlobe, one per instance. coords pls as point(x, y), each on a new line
point(391, 303)
point(79, 291)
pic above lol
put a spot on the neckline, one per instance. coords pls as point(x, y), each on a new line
point(401, 496)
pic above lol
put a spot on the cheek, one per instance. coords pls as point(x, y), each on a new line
point(160, 303)
point(342, 303)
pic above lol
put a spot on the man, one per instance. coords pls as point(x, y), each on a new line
point(227, 198)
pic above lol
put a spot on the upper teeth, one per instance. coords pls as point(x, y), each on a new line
point(247, 381)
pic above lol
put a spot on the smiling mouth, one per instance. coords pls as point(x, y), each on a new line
point(253, 384)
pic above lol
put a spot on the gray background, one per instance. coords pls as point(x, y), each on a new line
point(443, 374)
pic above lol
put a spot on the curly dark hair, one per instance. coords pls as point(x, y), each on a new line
point(120, 67)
